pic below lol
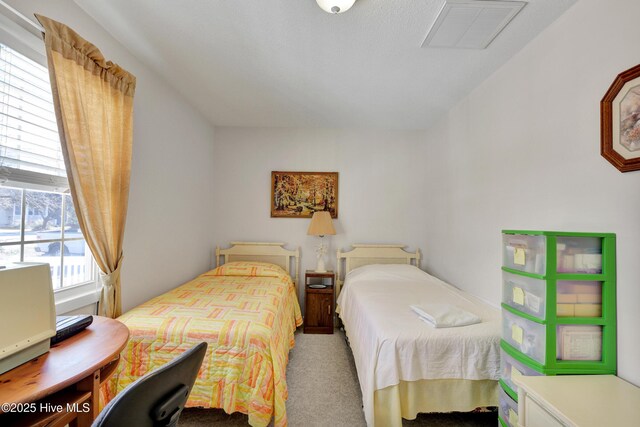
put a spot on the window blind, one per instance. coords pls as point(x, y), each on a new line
point(29, 143)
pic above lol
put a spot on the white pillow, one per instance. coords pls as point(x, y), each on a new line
point(444, 315)
point(387, 272)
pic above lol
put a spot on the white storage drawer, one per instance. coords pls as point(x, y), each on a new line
point(579, 298)
point(510, 367)
point(579, 342)
point(573, 254)
point(524, 252)
point(526, 336)
point(574, 298)
point(524, 294)
point(508, 409)
point(579, 255)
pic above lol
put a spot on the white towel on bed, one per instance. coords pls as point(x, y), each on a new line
point(444, 315)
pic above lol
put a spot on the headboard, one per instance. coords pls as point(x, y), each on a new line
point(372, 254)
point(274, 253)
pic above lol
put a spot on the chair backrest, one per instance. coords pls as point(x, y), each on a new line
point(157, 399)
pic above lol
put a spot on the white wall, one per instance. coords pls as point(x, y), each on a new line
point(380, 194)
point(522, 151)
point(168, 236)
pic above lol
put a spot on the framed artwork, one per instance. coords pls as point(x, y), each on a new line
point(300, 194)
point(620, 121)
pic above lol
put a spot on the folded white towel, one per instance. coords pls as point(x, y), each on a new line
point(444, 315)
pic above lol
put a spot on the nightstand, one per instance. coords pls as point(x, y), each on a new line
point(318, 302)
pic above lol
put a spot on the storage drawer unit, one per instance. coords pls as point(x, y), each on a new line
point(574, 252)
point(574, 298)
point(559, 304)
point(573, 342)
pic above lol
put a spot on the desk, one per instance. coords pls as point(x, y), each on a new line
point(577, 401)
point(70, 373)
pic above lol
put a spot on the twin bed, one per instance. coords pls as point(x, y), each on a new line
point(247, 310)
point(405, 366)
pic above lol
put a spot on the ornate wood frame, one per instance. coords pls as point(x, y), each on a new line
point(274, 214)
point(607, 121)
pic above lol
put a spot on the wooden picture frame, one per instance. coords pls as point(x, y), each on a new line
point(620, 121)
point(300, 194)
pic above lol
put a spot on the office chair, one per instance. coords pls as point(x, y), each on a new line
point(157, 399)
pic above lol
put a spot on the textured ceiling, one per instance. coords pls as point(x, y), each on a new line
point(287, 63)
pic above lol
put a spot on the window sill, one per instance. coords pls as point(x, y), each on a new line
point(76, 297)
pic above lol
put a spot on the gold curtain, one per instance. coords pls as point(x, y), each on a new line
point(93, 99)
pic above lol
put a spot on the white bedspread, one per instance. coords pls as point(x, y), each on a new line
point(391, 344)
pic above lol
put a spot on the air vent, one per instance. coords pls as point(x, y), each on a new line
point(471, 24)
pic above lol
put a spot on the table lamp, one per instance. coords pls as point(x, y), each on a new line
point(321, 225)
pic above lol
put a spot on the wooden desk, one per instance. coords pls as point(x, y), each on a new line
point(70, 373)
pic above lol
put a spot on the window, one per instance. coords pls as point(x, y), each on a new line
point(29, 142)
point(37, 220)
point(49, 232)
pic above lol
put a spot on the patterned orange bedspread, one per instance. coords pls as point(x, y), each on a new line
point(247, 312)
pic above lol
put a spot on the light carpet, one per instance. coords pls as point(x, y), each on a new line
point(324, 391)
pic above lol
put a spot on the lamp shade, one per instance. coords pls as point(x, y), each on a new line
point(321, 224)
point(335, 6)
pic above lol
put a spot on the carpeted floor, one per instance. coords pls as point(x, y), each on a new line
point(324, 391)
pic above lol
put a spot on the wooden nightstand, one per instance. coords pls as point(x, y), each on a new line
point(318, 302)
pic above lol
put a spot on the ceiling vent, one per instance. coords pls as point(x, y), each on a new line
point(470, 24)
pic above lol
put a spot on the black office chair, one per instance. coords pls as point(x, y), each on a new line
point(157, 399)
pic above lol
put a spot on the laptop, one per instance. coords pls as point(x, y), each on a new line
point(68, 326)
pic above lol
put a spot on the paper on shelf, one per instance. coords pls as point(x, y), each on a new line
point(588, 263)
point(518, 296)
point(519, 256)
point(517, 334)
point(532, 302)
point(582, 342)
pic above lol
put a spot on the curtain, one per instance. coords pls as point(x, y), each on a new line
point(93, 100)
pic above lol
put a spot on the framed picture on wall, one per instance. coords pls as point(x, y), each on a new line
point(300, 194)
point(620, 121)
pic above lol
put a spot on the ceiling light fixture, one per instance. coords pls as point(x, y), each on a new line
point(335, 6)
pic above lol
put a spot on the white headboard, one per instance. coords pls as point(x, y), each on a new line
point(273, 253)
point(372, 254)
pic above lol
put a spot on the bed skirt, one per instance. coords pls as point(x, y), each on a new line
point(409, 398)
